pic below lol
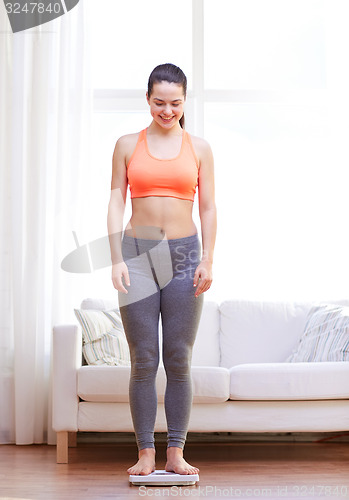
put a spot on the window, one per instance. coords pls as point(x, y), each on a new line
point(264, 45)
point(268, 90)
point(131, 37)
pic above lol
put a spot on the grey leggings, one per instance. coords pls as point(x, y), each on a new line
point(161, 281)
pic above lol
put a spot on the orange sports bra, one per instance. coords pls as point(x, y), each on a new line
point(175, 177)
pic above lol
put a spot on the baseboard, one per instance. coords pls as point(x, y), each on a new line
point(219, 437)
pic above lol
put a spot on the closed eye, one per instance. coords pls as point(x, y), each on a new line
point(174, 105)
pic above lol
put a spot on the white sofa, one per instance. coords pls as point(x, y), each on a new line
point(241, 382)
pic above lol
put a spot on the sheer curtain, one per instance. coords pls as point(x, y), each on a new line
point(46, 108)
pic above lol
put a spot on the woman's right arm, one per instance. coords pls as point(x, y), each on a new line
point(116, 210)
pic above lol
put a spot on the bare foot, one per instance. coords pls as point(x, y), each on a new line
point(145, 464)
point(176, 463)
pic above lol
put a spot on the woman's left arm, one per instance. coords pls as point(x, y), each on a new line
point(208, 217)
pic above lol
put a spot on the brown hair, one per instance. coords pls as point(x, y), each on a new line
point(170, 73)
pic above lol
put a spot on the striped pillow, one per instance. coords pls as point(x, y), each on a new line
point(104, 340)
point(115, 317)
point(325, 337)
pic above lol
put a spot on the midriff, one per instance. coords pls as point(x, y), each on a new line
point(161, 216)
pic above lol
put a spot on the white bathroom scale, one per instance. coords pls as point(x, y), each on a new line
point(164, 478)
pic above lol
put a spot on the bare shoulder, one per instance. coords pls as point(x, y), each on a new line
point(125, 146)
point(199, 143)
point(125, 142)
point(202, 147)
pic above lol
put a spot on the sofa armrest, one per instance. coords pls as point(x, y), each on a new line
point(67, 353)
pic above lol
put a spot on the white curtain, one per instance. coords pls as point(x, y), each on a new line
point(45, 108)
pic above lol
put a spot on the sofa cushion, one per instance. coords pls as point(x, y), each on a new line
point(289, 381)
point(259, 332)
point(325, 337)
point(110, 384)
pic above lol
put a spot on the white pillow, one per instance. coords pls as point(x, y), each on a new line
point(325, 337)
point(104, 340)
point(259, 331)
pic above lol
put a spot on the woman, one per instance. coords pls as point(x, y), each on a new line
point(156, 265)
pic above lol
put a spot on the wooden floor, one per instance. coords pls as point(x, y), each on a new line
point(228, 470)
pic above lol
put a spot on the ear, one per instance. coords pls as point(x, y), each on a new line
point(146, 95)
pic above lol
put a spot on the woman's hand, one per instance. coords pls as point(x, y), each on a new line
point(203, 277)
point(120, 271)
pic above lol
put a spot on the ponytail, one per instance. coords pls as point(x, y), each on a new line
point(182, 121)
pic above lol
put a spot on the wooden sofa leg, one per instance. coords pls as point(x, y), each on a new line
point(62, 447)
point(72, 439)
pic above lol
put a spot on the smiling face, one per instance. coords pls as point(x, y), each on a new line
point(166, 103)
